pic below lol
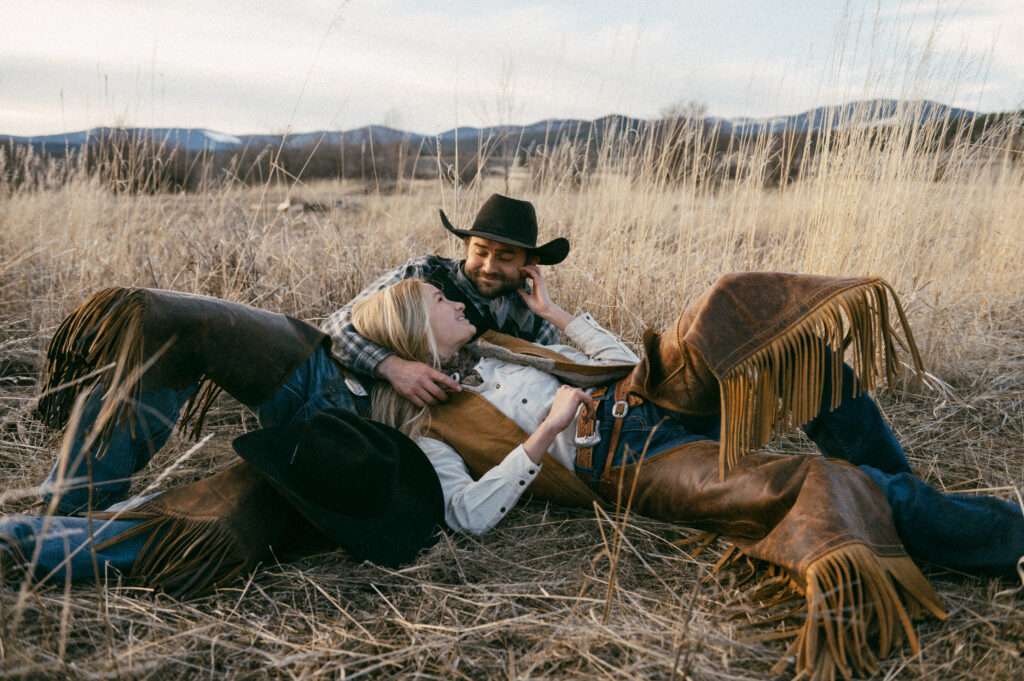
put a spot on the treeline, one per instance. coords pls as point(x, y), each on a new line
point(138, 163)
point(677, 149)
point(699, 152)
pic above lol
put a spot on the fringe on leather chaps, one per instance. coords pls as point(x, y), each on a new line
point(824, 528)
point(753, 349)
point(208, 533)
point(133, 340)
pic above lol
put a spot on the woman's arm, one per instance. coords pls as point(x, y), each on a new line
point(568, 401)
point(475, 506)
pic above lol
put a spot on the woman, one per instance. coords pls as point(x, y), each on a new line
point(790, 510)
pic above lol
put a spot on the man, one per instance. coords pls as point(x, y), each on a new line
point(281, 367)
point(671, 437)
point(500, 243)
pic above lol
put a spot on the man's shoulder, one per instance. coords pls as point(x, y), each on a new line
point(432, 263)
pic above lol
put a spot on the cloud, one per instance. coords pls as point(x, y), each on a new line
point(972, 52)
point(263, 65)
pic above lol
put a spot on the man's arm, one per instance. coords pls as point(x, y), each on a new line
point(547, 334)
point(417, 382)
point(350, 348)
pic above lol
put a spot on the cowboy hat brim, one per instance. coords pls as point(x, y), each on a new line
point(408, 524)
point(551, 253)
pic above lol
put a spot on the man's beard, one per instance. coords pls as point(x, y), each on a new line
point(493, 287)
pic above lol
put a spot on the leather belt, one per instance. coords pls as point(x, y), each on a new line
point(587, 436)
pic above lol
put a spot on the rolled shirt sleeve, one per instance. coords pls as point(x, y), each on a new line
point(349, 347)
point(599, 345)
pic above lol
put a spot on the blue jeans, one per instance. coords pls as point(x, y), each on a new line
point(62, 543)
point(55, 546)
point(315, 385)
point(973, 533)
point(965, 532)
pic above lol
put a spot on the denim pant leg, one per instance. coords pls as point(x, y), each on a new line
point(60, 544)
point(646, 430)
point(973, 533)
point(111, 469)
point(315, 385)
point(855, 431)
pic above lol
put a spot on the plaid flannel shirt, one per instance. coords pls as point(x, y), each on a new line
point(363, 356)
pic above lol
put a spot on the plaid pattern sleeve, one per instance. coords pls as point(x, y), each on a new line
point(547, 334)
point(363, 356)
point(351, 349)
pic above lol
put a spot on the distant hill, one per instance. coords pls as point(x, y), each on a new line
point(200, 139)
point(874, 112)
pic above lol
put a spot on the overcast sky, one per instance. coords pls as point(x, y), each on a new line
point(266, 66)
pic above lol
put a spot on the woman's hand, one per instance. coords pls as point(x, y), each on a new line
point(568, 401)
point(538, 300)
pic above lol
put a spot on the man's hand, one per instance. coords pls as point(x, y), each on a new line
point(539, 301)
point(417, 382)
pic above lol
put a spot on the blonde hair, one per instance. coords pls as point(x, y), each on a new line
point(398, 318)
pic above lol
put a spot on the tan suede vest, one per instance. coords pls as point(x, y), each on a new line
point(483, 435)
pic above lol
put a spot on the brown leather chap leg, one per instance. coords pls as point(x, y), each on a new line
point(823, 522)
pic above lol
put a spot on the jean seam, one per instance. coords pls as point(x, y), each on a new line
point(847, 454)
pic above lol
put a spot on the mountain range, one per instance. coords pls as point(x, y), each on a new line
point(860, 113)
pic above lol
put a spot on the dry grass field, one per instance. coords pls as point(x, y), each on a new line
point(551, 593)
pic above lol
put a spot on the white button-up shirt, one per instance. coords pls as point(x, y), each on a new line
point(524, 394)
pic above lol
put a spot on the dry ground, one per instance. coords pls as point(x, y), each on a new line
point(532, 598)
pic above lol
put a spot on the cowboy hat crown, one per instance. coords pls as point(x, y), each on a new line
point(364, 485)
point(513, 222)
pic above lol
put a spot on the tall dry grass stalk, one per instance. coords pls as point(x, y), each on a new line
point(531, 599)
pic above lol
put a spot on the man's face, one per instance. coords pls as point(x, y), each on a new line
point(494, 267)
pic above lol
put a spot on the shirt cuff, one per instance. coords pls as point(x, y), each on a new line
point(482, 504)
point(518, 468)
point(582, 326)
point(369, 363)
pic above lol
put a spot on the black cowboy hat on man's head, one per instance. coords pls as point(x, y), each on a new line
point(512, 222)
point(364, 485)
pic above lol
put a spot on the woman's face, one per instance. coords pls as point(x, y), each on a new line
point(451, 328)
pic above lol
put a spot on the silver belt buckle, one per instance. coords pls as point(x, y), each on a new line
point(620, 409)
point(588, 440)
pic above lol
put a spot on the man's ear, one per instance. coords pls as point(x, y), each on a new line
point(532, 259)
